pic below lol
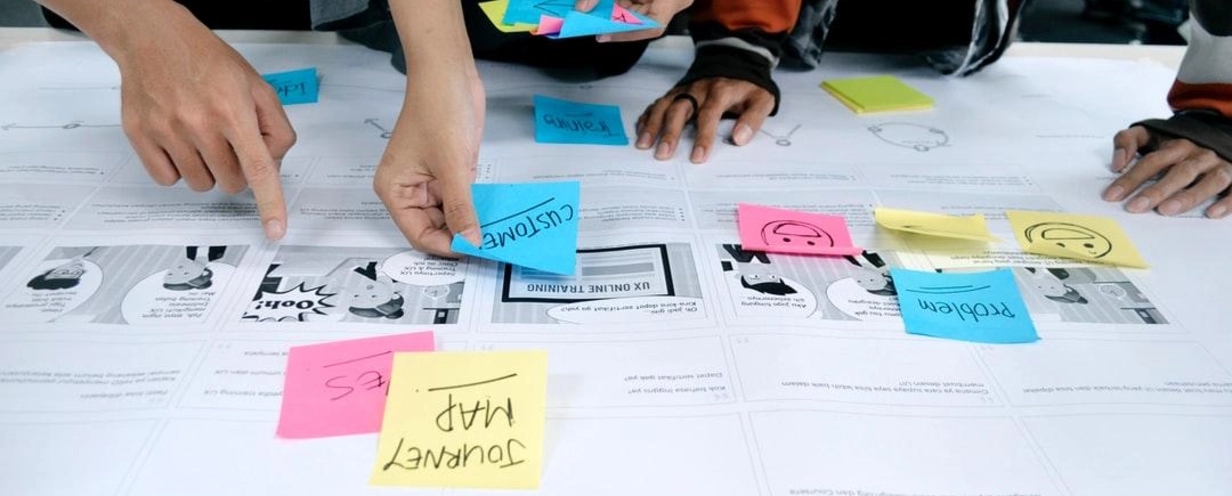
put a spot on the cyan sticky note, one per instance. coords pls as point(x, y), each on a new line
point(532, 225)
point(294, 87)
point(983, 307)
point(563, 121)
point(528, 11)
point(578, 24)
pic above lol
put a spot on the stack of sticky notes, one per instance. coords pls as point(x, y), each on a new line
point(557, 19)
point(877, 94)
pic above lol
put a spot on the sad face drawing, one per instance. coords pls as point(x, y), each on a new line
point(1072, 237)
point(796, 234)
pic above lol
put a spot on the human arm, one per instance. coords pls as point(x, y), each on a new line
point(737, 47)
point(191, 106)
point(425, 175)
point(1191, 152)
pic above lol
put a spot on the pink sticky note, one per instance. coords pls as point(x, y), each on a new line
point(622, 15)
point(549, 25)
point(339, 388)
point(776, 230)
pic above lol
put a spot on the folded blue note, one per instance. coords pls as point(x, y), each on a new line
point(532, 225)
point(292, 87)
point(983, 307)
point(578, 24)
point(563, 121)
point(528, 11)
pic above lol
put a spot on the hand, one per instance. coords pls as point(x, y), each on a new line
point(1189, 175)
point(665, 119)
point(662, 11)
point(425, 176)
point(194, 109)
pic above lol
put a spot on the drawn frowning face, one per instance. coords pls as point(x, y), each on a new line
point(795, 234)
point(1072, 237)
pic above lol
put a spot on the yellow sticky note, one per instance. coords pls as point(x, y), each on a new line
point(495, 10)
point(877, 94)
point(972, 228)
point(1080, 237)
point(464, 419)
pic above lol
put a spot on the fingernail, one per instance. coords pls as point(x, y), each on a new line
point(1170, 207)
point(1139, 205)
point(643, 141)
point(472, 236)
point(1118, 159)
point(1114, 193)
point(274, 229)
point(742, 135)
point(699, 155)
point(664, 151)
point(603, 38)
point(1217, 212)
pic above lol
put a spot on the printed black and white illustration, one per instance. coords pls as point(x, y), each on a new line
point(625, 284)
point(801, 286)
point(1096, 295)
point(919, 137)
point(137, 284)
point(344, 284)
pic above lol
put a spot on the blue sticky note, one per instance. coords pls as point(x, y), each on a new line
point(563, 121)
point(293, 87)
point(533, 225)
point(983, 307)
point(528, 11)
point(578, 24)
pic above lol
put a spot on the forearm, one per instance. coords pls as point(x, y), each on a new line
point(118, 26)
point(434, 38)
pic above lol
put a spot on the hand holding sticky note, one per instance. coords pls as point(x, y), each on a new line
point(971, 228)
point(295, 87)
point(777, 230)
point(1078, 237)
point(565, 122)
point(562, 21)
point(338, 388)
point(464, 419)
point(983, 307)
point(877, 94)
point(533, 225)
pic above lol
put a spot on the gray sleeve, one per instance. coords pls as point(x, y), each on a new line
point(333, 15)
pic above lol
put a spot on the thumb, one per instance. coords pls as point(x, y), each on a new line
point(458, 206)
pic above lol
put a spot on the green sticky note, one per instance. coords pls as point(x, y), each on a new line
point(877, 94)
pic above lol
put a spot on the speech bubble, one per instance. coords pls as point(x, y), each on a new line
point(856, 302)
point(771, 297)
point(420, 269)
point(297, 304)
point(639, 310)
point(149, 302)
point(42, 299)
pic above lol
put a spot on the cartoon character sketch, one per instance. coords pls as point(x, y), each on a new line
point(375, 298)
point(65, 276)
point(1073, 237)
point(875, 277)
point(762, 279)
point(795, 233)
point(190, 272)
point(1050, 284)
point(915, 136)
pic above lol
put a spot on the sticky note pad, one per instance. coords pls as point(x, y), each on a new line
point(877, 94)
point(972, 228)
point(533, 225)
point(983, 307)
point(338, 388)
point(495, 10)
point(788, 231)
point(1079, 237)
point(464, 419)
point(565, 122)
point(295, 87)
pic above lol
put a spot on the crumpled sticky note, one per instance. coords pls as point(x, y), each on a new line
point(972, 228)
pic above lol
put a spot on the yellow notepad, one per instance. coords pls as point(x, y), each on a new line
point(877, 94)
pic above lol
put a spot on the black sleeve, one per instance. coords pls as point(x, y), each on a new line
point(1205, 128)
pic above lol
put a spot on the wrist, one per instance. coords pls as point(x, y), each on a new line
point(125, 29)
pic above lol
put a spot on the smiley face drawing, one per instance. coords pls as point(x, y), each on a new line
point(1072, 237)
point(795, 233)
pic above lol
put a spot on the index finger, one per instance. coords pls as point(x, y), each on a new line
point(261, 171)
